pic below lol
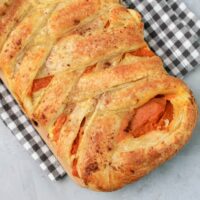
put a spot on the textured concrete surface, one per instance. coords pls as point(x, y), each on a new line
point(21, 178)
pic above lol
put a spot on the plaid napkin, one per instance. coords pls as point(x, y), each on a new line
point(171, 30)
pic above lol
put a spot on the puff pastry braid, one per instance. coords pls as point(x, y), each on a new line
point(96, 93)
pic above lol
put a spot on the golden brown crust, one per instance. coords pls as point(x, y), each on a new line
point(80, 70)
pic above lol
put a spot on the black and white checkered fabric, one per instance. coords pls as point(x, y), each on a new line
point(171, 30)
point(22, 129)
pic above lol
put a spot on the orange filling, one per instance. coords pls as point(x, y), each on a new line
point(151, 116)
point(143, 52)
point(154, 115)
point(107, 24)
point(89, 69)
point(75, 146)
point(78, 138)
point(74, 168)
point(40, 83)
point(168, 115)
point(58, 125)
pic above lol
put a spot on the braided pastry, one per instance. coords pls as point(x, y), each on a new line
point(96, 93)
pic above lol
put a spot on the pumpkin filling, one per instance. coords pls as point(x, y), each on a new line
point(58, 126)
point(154, 115)
point(74, 168)
point(143, 52)
point(76, 142)
point(41, 83)
point(75, 146)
